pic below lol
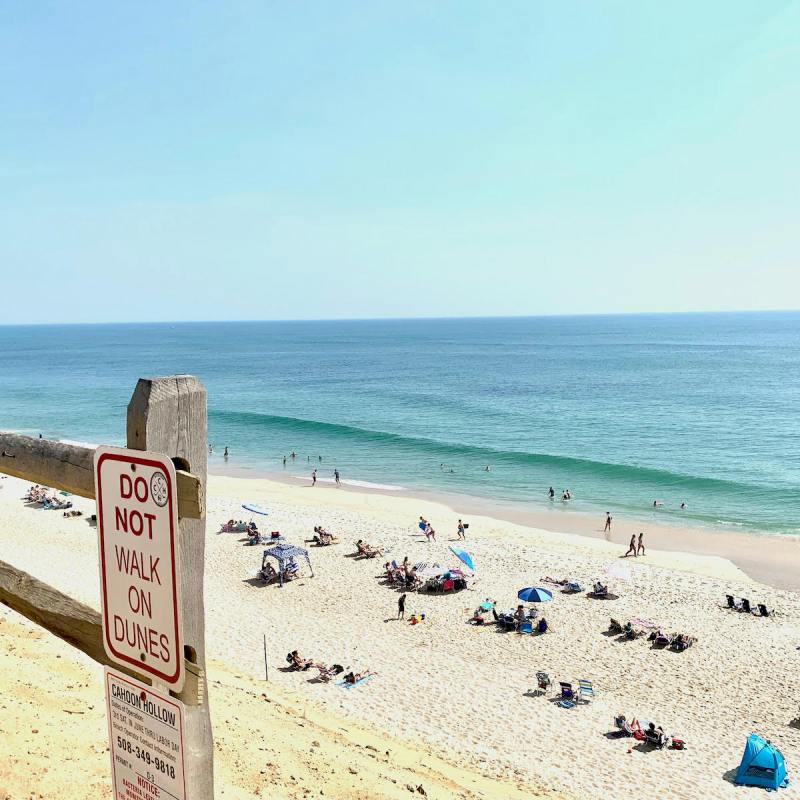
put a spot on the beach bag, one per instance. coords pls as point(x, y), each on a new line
point(678, 744)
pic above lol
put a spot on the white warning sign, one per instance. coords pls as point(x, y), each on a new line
point(137, 526)
point(145, 731)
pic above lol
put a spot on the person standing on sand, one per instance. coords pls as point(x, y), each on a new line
point(461, 534)
point(401, 607)
point(608, 522)
point(632, 546)
point(640, 546)
point(314, 478)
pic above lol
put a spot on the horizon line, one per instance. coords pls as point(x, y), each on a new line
point(428, 318)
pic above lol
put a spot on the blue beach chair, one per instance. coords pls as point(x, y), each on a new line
point(586, 689)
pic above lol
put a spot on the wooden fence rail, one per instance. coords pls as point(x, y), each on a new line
point(69, 467)
point(75, 623)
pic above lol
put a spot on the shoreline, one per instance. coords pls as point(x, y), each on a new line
point(764, 557)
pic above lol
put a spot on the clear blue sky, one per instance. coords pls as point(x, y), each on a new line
point(165, 161)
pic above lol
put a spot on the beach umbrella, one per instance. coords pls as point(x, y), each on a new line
point(534, 594)
point(464, 556)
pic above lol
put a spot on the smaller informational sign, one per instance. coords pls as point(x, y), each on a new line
point(137, 527)
point(145, 729)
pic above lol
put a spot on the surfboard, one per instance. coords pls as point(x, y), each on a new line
point(255, 508)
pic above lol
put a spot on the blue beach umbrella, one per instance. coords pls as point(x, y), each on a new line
point(534, 594)
point(464, 556)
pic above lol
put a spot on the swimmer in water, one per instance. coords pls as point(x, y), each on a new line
point(683, 506)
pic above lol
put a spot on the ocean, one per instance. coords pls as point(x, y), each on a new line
point(701, 409)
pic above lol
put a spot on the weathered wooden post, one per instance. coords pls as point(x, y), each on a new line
point(168, 415)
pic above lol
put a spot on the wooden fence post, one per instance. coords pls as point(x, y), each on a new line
point(168, 415)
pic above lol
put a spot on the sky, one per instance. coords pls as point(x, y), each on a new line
point(295, 160)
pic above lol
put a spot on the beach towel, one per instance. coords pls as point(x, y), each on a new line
point(566, 704)
point(346, 685)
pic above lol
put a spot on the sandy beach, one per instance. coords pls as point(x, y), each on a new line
point(445, 689)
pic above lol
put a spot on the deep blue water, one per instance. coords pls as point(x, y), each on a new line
point(699, 408)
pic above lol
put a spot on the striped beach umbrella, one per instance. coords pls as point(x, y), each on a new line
point(534, 594)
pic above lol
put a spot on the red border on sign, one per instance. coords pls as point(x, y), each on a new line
point(140, 666)
point(123, 679)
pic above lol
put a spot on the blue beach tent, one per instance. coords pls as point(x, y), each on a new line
point(762, 764)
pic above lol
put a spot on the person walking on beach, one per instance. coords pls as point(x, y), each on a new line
point(401, 607)
point(461, 534)
point(640, 546)
point(336, 477)
point(608, 522)
point(632, 546)
point(314, 478)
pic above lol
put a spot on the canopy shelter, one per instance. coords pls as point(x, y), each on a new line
point(762, 764)
point(283, 554)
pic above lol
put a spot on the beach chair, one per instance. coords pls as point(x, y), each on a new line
point(746, 606)
point(623, 726)
point(585, 689)
point(732, 603)
point(525, 627)
point(655, 738)
point(615, 627)
point(567, 692)
point(543, 683)
point(764, 611)
point(542, 626)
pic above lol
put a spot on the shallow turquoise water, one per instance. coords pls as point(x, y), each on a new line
point(623, 410)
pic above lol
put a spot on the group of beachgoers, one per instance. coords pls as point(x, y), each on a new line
point(225, 453)
point(636, 628)
point(290, 571)
point(326, 673)
point(650, 732)
point(519, 619)
point(636, 546)
point(364, 550)
point(566, 494)
point(323, 538)
point(427, 529)
point(41, 495)
point(403, 575)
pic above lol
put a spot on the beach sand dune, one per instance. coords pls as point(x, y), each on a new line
point(461, 692)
